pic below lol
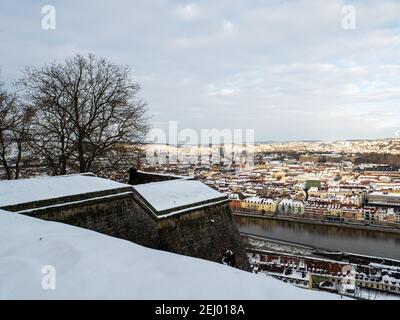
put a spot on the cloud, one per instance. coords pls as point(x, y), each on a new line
point(227, 26)
point(188, 12)
point(284, 68)
point(222, 92)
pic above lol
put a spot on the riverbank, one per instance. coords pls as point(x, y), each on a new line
point(308, 270)
point(336, 238)
point(346, 225)
point(271, 245)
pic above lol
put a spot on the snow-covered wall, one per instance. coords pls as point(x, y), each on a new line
point(25, 194)
point(168, 197)
point(117, 215)
point(201, 226)
point(204, 233)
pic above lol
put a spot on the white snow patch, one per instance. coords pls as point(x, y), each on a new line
point(90, 265)
point(176, 193)
point(28, 190)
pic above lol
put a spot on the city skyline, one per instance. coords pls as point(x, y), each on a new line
point(288, 70)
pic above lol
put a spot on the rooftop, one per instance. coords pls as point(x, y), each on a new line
point(259, 200)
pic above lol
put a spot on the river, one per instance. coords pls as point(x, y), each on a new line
point(364, 242)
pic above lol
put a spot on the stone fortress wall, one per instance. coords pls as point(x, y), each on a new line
point(204, 231)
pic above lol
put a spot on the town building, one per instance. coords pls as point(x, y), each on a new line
point(289, 206)
point(259, 204)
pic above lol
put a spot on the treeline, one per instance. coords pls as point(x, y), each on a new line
point(77, 116)
point(357, 159)
point(377, 158)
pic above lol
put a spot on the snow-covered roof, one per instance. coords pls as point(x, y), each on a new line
point(175, 194)
point(259, 200)
point(234, 196)
point(15, 192)
point(90, 265)
point(291, 202)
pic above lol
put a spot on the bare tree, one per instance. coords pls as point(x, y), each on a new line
point(15, 123)
point(88, 113)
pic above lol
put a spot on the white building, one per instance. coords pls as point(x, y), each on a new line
point(291, 206)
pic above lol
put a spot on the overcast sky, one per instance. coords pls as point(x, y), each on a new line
point(286, 69)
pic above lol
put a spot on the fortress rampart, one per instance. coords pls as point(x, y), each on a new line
point(205, 229)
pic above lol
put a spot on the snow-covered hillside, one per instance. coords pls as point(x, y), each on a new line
point(91, 265)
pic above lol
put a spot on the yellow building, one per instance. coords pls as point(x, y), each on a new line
point(259, 205)
point(360, 215)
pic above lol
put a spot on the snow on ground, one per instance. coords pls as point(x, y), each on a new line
point(43, 188)
point(90, 265)
point(176, 193)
